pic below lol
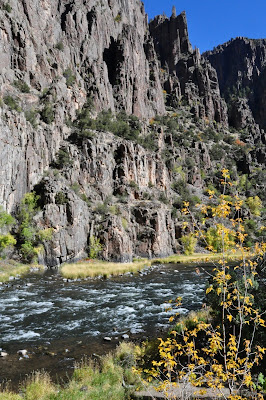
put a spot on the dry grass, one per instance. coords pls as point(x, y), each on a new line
point(12, 268)
point(197, 257)
point(94, 268)
point(38, 386)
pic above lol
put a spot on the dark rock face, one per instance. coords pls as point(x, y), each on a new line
point(102, 44)
point(72, 50)
point(187, 75)
point(241, 68)
point(102, 167)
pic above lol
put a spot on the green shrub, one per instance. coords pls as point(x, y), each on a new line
point(59, 46)
point(61, 198)
point(45, 235)
point(181, 188)
point(30, 239)
point(102, 209)
point(255, 205)
point(114, 210)
point(63, 159)
point(162, 197)
point(76, 188)
point(30, 116)
point(95, 247)
point(70, 77)
point(123, 125)
point(5, 219)
point(189, 242)
point(149, 142)
point(12, 103)
point(47, 113)
point(147, 196)
point(134, 185)
point(22, 86)
point(6, 241)
point(7, 7)
point(124, 223)
point(217, 152)
point(118, 18)
point(30, 252)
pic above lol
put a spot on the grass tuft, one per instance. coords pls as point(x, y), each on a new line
point(39, 386)
point(93, 269)
point(12, 268)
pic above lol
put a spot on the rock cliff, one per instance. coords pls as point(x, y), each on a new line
point(241, 69)
point(120, 175)
point(186, 75)
point(54, 56)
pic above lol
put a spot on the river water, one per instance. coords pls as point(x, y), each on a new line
point(59, 321)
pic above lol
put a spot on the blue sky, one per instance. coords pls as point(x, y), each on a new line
point(213, 22)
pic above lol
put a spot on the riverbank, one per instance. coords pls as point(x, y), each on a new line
point(103, 377)
point(10, 269)
point(94, 268)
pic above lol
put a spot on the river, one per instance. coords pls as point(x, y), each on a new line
point(58, 322)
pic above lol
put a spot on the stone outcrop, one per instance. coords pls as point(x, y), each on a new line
point(86, 199)
point(101, 43)
point(241, 68)
point(186, 75)
point(66, 53)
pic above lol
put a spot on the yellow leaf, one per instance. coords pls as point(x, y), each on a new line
point(209, 289)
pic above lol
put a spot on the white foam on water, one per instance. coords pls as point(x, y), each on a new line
point(26, 293)
point(26, 335)
point(164, 293)
point(79, 303)
point(153, 308)
point(69, 326)
point(38, 304)
point(40, 311)
point(11, 299)
point(153, 284)
point(18, 317)
point(5, 319)
point(125, 310)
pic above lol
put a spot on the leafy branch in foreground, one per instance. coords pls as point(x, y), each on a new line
point(221, 354)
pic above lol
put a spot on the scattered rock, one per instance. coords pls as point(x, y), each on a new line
point(22, 352)
point(50, 353)
point(107, 339)
point(3, 354)
point(125, 336)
